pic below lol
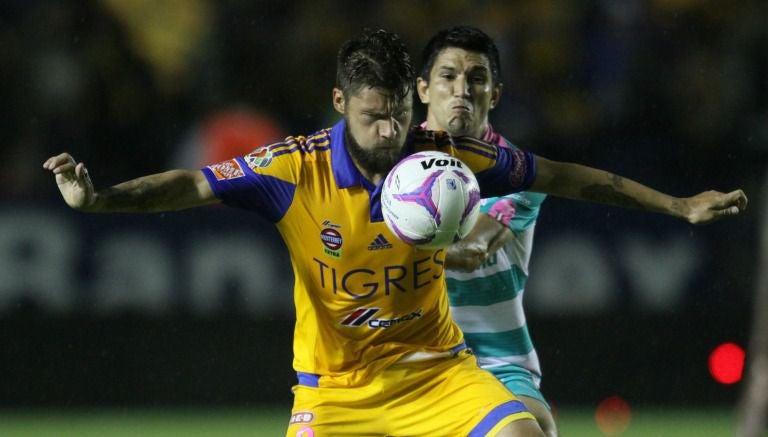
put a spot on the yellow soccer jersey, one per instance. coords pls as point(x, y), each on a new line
point(363, 298)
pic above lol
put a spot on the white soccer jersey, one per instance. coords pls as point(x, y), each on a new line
point(487, 303)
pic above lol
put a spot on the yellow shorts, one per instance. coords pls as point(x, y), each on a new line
point(438, 397)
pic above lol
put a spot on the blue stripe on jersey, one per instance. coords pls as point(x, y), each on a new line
point(476, 150)
point(495, 416)
point(319, 141)
point(490, 151)
point(500, 344)
point(285, 151)
point(308, 379)
point(488, 290)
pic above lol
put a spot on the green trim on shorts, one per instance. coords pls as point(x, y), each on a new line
point(519, 381)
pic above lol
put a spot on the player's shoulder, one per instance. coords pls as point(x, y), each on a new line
point(285, 159)
point(296, 148)
point(316, 143)
point(425, 139)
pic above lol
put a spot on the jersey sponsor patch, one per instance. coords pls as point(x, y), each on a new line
point(227, 170)
point(331, 238)
point(332, 241)
point(259, 158)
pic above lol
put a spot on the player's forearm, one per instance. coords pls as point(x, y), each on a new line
point(469, 253)
point(168, 191)
point(579, 182)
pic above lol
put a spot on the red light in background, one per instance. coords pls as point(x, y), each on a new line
point(726, 363)
point(613, 415)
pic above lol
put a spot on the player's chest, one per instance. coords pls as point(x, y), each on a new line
point(344, 226)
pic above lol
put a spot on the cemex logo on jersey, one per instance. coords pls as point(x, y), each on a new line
point(379, 243)
point(363, 315)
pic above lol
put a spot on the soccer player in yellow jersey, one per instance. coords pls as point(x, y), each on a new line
point(375, 349)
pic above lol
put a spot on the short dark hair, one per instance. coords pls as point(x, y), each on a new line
point(376, 59)
point(464, 37)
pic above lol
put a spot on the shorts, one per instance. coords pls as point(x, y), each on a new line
point(520, 382)
point(446, 396)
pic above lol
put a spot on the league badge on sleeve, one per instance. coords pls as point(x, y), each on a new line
point(259, 158)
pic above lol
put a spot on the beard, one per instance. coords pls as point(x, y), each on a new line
point(376, 161)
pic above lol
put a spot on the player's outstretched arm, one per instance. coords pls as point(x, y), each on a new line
point(579, 182)
point(168, 191)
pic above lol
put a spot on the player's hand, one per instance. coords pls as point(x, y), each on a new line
point(710, 206)
point(72, 178)
point(472, 251)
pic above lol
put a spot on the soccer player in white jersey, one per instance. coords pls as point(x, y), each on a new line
point(356, 375)
point(460, 83)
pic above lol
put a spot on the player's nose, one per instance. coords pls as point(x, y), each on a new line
point(460, 86)
point(387, 129)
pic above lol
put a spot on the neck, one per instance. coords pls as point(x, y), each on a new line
point(373, 176)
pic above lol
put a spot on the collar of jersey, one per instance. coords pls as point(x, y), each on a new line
point(344, 170)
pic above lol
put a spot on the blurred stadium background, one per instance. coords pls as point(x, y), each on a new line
point(180, 324)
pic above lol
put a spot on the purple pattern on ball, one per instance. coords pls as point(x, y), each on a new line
point(423, 196)
point(464, 177)
point(474, 199)
point(409, 240)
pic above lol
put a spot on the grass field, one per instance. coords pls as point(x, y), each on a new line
point(239, 422)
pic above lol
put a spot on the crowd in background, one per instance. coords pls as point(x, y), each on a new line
point(657, 89)
point(673, 93)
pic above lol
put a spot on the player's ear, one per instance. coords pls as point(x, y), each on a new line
point(339, 103)
point(496, 94)
point(422, 86)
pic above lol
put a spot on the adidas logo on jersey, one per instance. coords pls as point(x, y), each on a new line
point(379, 243)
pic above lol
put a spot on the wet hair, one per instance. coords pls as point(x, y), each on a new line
point(468, 38)
point(376, 59)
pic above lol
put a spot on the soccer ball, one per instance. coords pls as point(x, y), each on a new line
point(430, 200)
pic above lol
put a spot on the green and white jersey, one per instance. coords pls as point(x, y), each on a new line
point(488, 303)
